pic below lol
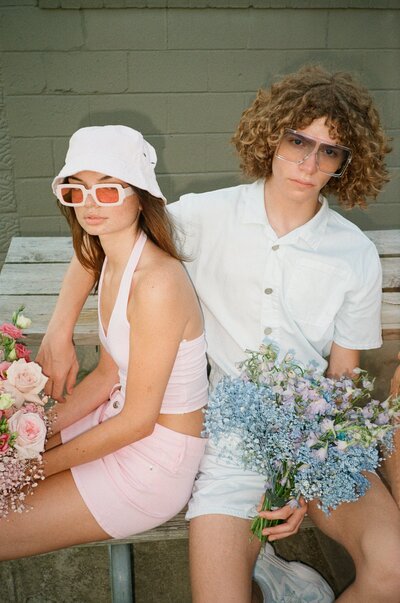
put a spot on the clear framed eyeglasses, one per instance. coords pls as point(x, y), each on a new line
point(332, 159)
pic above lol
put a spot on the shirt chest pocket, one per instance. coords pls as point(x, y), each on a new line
point(314, 292)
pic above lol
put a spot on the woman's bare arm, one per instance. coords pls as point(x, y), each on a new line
point(57, 354)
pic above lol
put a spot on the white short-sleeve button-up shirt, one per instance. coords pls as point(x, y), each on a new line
point(317, 284)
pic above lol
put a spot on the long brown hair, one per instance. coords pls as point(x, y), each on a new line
point(153, 220)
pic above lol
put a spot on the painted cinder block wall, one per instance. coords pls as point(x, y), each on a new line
point(180, 71)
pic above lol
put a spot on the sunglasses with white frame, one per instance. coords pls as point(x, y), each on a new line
point(102, 194)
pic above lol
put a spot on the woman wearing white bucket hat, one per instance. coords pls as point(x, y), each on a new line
point(129, 434)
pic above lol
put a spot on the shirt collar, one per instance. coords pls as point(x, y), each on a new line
point(254, 213)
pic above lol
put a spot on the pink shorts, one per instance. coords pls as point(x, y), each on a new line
point(141, 485)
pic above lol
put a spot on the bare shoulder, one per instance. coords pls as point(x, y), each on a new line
point(161, 279)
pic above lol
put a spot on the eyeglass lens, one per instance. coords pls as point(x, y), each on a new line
point(296, 148)
point(106, 195)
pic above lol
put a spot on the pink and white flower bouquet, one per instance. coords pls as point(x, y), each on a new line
point(23, 421)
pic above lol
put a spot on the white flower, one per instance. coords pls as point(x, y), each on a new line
point(6, 401)
point(25, 381)
point(23, 322)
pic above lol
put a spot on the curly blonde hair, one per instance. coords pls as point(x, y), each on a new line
point(296, 101)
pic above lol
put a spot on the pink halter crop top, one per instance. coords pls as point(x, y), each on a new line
point(187, 388)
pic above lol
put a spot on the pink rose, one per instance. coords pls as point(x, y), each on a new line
point(31, 432)
point(25, 381)
point(3, 367)
point(23, 352)
point(4, 445)
point(11, 330)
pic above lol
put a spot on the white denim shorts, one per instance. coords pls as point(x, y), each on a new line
point(224, 488)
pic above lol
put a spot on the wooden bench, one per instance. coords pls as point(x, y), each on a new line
point(32, 275)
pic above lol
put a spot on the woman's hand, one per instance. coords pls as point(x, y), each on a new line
point(57, 357)
point(292, 520)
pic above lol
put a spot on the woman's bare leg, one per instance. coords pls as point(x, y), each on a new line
point(222, 559)
point(58, 518)
point(369, 529)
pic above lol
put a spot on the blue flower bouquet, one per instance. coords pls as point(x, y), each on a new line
point(309, 435)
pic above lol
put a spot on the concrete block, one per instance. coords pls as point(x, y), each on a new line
point(207, 28)
point(18, 3)
point(60, 147)
point(200, 183)
point(352, 61)
point(180, 153)
point(382, 68)
point(220, 154)
point(70, 3)
point(287, 28)
point(164, 181)
point(46, 115)
point(49, 3)
point(144, 112)
point(35, 198)
point(9, 228)
point(92, 3)
point(170, 71)
point(243, 70)
point(43, 225)
point(393, 159)
point(33, 157)
point(118, 4)
point(377, 216)
point(129, 29)
point(32, 29)
point(23, 72)
point(7, 199)
point(391, 191)
point(388, 103)
point(205, 112)
point(91, 72)
point(363, 29)
point(6, 160)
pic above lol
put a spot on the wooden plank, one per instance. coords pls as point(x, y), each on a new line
point(390, 273)
point(40, 308)
point(59, 249)
point(31, 279)
point(46, 279)
point(39, 250)
point(387, 242)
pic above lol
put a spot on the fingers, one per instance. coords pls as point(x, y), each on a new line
point(71, 377)
point(292, 519)
point(57, 391)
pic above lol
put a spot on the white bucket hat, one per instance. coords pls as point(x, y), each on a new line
point(116, 151)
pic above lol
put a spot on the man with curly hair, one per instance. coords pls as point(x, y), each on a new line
point(270, 260)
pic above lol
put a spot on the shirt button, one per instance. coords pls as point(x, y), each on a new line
point(267, 331)
point(275, 247)
point(115, 405)
point(268, 291)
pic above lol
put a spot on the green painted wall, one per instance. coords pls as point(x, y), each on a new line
point(181, 75)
